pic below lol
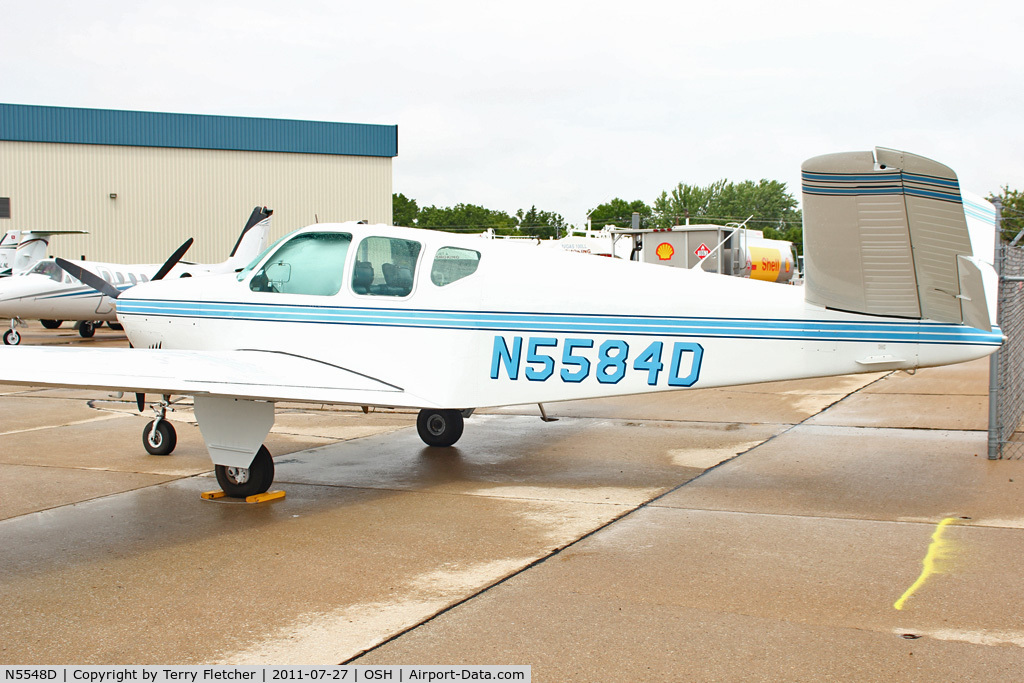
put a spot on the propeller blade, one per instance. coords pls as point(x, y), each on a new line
point(173, 261)
point(90, 279)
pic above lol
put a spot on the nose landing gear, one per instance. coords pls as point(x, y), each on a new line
point(158, 437)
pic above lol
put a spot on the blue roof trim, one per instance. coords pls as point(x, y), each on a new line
point(31, 123)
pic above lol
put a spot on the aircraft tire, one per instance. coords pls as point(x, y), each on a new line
point(118, 327)
point(51, 324)
point(240, 482)
point(12, 338)
point(439, 427)
point(86, 329)
point(159, 442)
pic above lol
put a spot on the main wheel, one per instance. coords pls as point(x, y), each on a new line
point(159, 441)
point(12, 338)
point(86, 329)
point(51, 324)
point(242, 482)
point(439, 427)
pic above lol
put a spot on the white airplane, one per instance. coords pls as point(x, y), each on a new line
point(375, 315)
point(22, 249)
point(48, 293)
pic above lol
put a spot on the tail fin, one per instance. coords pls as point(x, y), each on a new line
point(886, 234)
point(253, 239)
point(8, 243)
point(23, 249)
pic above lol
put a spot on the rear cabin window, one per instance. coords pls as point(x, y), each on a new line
point(385, 266)
point(452, 263)
point(310, 263)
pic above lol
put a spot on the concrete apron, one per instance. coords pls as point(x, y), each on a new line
point(118, 560)
point(786, 559)
point(828, 552)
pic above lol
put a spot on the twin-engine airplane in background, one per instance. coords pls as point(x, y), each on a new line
point(46, 292)
point(374, 315)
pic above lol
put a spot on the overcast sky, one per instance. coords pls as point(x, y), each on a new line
point(563, 105)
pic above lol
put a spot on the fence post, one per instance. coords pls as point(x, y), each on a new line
point(995, 430)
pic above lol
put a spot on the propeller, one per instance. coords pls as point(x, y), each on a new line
point(87, 278)
point(106, 288)
point(173, 260)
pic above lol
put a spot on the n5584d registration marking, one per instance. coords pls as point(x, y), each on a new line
point(577, 359)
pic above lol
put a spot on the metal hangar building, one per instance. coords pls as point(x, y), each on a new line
point(141, 183)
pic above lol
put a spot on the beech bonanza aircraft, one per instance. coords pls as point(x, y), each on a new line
point(48, 293)
point(374, 315)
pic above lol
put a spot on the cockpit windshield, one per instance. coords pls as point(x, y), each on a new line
point(49, 269)
point(308, 263)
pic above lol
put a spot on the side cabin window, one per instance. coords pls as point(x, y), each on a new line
point(385, 266)
point(310, 263)
point(452, 263)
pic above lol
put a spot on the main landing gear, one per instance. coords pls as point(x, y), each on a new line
point(86, 329)
point(440, 427)
point(242, 482)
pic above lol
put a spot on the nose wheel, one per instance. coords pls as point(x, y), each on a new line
point(159, 437)
point(12, 337)
point(242, 482)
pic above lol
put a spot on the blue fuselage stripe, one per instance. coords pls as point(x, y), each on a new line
point(811, 330)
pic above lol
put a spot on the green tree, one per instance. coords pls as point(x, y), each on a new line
point(767, 204)
point(404, 211)
point(687, 203)
point(543, 224)
point(1012, 211)
point(619, 212)
point(466, 218)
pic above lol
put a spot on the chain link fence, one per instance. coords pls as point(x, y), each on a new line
point(1006, 388)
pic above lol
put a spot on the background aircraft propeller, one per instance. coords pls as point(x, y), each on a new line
point(104, 287)
point(88, 278)
point(108, 289)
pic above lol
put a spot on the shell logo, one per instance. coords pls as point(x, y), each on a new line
point(665, 251)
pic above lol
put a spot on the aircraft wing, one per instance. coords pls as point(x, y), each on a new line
point(244, 374)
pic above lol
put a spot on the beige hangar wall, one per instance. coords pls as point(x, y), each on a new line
point(166, 195)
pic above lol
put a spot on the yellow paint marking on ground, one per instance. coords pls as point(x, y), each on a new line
point(930, 561)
